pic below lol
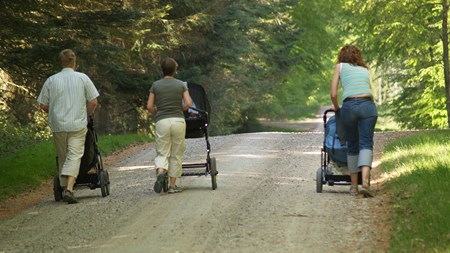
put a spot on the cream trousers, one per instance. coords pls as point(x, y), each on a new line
point(70, 149)
point(170, 145)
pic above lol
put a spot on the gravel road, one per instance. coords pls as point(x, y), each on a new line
point(265, 202)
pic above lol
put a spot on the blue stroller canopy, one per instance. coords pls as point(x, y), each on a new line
point(336, 150)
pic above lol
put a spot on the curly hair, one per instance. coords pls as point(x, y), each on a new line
point(351, 54)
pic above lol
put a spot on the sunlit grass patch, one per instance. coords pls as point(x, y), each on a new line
point(29, 166)
point(419, 181)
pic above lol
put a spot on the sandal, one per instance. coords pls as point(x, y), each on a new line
point(353, 190)
point(69, 197)
point(365, 190)
point(159, 182)
point(174, 189)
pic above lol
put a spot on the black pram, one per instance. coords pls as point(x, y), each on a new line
point(91, 172)
point(197, 122)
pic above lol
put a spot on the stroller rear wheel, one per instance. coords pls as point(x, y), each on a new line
point(319, 180)
point(57, 189)
point(107, 181)
point(165, 187)
point(213, 172)
point(103, 183)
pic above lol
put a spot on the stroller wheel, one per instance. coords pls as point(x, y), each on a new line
point(214, 182)
point(103, 184)
point(107, 181)
point(57, 190)
point(213, 172)
point(165, 187)
point(319, 178)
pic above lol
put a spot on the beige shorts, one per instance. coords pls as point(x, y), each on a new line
point(170, 145)
point(70, 149)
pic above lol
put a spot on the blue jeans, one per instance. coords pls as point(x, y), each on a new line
point(359, 118)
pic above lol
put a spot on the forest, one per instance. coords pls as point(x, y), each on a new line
point(255, 58)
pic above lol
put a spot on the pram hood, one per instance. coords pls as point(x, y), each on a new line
point(337, 151)
point(197, 121)
point(198, 96)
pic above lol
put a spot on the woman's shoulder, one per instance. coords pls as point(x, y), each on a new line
point(346, 65)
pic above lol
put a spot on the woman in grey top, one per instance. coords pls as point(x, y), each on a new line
point(167, 100)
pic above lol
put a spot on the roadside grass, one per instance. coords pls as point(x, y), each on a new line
point(29, 166)
point(418, 168)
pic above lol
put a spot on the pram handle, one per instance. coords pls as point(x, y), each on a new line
point(197, 110)
point(90, 121)
point(325, 115)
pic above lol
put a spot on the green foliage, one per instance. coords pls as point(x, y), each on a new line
point(420, 189)
point(403, 40)
point(239, 50)
point(255, 58)
point(110, 143)
point(308, 85)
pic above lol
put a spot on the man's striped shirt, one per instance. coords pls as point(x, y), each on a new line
point(66, 93)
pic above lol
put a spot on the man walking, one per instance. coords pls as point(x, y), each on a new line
point(68, 97)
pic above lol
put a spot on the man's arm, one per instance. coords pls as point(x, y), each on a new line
point(91, 106)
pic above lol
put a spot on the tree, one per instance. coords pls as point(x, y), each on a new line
point(405, 40)
point(316, 43)
point(240, 50)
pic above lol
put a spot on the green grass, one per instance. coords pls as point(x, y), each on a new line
point(30, 165)
point(111, 143)
point(419, 167)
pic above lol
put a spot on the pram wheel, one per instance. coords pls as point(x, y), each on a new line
point(103, 176)
point(103, 183)
point(57, 190)
point(213, 172)
point(319, 178)
point(166, 183)
point(107, 181)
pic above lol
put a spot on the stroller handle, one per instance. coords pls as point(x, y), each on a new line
point(325, 114)
point(197, 110)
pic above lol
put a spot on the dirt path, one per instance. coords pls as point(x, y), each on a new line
point(265, 202)
point(308, 125)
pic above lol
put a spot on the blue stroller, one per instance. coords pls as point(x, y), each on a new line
point(333, 154)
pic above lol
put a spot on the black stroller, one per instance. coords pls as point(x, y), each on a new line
point(91, 172)
point(333, 169)
point(197, 121)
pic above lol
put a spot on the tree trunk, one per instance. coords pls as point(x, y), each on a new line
point(445, 56)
